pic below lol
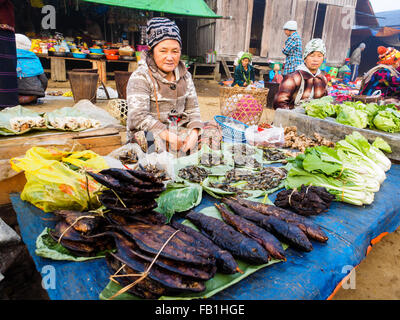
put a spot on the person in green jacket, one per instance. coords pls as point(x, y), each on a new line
point(244, 72)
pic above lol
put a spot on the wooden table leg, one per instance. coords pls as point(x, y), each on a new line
point(101, 69)
point(194, 71)
point(216, 72)
point(58, 71)
point(132, 66)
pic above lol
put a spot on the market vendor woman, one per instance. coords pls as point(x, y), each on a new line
point(307, 82)
point(163, 110)
point(244, 72)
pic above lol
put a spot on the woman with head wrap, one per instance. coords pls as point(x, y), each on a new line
point(307, 82)
point(244, 72)
point(163, 110)
point(385, 77)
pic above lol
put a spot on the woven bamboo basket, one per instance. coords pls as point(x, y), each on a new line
point(118, 108)
point(366, 99)
point(245, 105)
point(121, 81)
point(83, 85)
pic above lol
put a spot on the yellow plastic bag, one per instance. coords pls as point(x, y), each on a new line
point(56, 179)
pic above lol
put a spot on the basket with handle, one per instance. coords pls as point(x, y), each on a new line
point(229, 132)
point(245, 105)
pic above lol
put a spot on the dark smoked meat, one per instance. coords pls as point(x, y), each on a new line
point(286, 232)
point(229, 239)
point(263, 237)
point(224, 259)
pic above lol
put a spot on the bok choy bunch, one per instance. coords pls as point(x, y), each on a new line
point(353, 171)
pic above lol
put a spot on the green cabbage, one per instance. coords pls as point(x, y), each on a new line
point(388, 120)
point(350, 116)
point(320, 108)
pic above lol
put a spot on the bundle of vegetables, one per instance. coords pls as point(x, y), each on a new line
point(306, 201)
point(387, 120)
point(320, 108)
point(356, 114)
point(352, 171)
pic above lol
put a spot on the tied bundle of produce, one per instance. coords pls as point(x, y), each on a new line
point(71, 239)
point(306, 201)
point(129, 191)
point(353, 171)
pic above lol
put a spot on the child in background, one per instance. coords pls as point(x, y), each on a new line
point(275, 75)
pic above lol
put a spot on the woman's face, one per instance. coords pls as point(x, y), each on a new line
point(167, 54)
point(245, 62)
point(314, 60)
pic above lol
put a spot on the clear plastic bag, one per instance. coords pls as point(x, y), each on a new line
point(271, 137)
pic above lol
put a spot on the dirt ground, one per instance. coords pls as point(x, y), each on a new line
point(376, 278)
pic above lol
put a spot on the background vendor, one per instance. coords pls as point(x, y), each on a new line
point(293, 48)
point(161, 96)
point(385, 77)
point(355, 61)
point(307, 82)
point(244, 72)
point(32, 81)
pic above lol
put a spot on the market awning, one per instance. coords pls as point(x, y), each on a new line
point(195, 8)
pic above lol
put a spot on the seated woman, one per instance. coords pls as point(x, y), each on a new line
point(244, 72)
point(385, 77)
point(307, 82)
point(163, 110)
point(32, 81)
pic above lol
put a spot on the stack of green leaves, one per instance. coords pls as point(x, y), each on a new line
point(356, 114)
point(320, 108)
point(353, 171)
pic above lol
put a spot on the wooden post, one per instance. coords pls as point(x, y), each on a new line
point(100, 65)
point(132, 66)
point(58, 71)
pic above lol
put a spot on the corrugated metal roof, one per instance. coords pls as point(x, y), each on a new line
point(389, 18)
point(341, 3)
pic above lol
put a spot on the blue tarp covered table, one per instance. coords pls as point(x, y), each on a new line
point(313, 275)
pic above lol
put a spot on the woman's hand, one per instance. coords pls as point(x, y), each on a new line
point(174, 142)
point(191, 140)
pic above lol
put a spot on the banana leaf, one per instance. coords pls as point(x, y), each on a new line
point(16, 112)
point(46, 247)
point(179, 197)
point(218, 283)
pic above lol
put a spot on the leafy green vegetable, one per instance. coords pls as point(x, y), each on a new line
point(382, 145)
point(387, 120)
point(352, 117)
point(179, 197)
point(320, 108)
point(352, 171)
